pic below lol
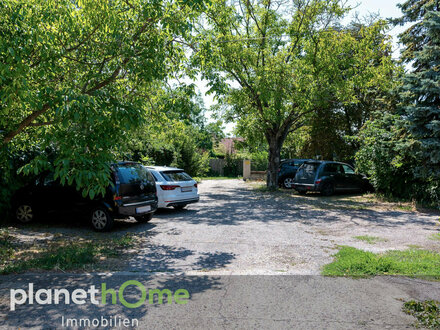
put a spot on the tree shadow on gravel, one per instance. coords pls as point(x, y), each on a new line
point(161, 258)
point(239, 205)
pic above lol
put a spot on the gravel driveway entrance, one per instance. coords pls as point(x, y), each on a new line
point(238, 230)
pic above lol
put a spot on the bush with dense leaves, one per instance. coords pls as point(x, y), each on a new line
point(388, 156)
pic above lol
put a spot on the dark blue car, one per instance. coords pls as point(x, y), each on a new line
point(287, 171)
point(329, 177)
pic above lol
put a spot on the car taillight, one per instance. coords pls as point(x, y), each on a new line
point(195, 185)
point(318, 181)
point(117, 198)
point(168, 187)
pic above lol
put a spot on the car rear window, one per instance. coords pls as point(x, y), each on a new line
point(133, 173)
point(308, 170)
point(176, 176)
point(295, 163)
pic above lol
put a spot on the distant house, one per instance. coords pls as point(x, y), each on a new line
point(228, 144)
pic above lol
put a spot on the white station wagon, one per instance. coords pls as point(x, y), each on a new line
point(174, 187)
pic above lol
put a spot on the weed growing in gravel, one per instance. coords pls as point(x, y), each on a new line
point(435, 237)
point(426, 312)
point(6, 247)
point(370, 239)
point(201, 179)
point(350, 261)
point(75, 255)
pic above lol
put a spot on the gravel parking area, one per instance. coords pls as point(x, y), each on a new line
point(239, 230)
point(236, 229)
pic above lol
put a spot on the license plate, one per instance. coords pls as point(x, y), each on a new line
point(186, 189)
point(143, 209)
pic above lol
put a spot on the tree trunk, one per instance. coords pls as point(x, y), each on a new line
point(273, 165)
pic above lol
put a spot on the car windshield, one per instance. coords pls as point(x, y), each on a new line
point(176, 176)
point(132, 173)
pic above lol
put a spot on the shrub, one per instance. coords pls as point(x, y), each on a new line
point(388, 155)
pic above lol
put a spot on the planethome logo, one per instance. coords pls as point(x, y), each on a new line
point(97, 296)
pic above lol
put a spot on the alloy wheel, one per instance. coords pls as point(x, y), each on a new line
point(288, 183)
point(24, 213)
point(99, 219)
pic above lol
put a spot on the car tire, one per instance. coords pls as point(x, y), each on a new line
point(367, 187)
point(179, 207)
point(327, 189)
point(287, 182)
point(101, 219)
point(144, 218)
point(24, 212)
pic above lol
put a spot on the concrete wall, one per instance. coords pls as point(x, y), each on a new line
point(258, 175)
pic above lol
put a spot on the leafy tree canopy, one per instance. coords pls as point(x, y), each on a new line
point(75, 76)
point(287, 60)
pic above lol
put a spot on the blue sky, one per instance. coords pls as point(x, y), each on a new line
point(385, 8)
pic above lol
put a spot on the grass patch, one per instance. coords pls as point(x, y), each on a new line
point(435, 237)
point(370, 239)
point(414, 246)
point(6, 247)
point(426, 312)
point(264, 189)
point(65, 255)
point(200, 179)
point(352, 262)
point(401, 203)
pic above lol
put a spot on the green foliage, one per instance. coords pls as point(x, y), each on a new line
point(435, 237)
point(75, 75)
point(414, 38)
point(400, 150)
point(413, 262)
point(370, 239)
point(201, 179)
point(232, 166)
point(259, 160)
point(386, 156)
point(285, 66)
point(176, 133)
point(257, 153)
point(170, 144)
point(295, 144)
point(426, 312)
point(421, 97)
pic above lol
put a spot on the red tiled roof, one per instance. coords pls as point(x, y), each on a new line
point(229, 144)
